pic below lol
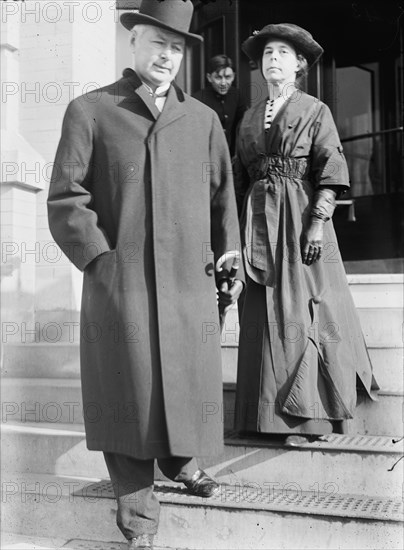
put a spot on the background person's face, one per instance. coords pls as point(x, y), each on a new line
point(221, 80)
point(157, 55)
point(279, 62)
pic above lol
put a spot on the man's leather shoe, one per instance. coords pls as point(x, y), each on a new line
point(201, 485)
point(141, 542)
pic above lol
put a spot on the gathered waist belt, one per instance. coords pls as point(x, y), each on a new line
point(267, 165)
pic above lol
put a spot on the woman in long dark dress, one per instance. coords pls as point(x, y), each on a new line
point(301, 349)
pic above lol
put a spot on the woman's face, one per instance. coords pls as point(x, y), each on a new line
point(279, 62)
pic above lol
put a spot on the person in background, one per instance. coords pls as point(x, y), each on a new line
point(131, 207)
point(221, 96)
point(301, 348)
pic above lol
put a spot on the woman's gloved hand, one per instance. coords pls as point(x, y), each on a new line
point(312, 237)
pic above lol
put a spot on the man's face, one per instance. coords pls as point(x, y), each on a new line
point(221, 80)
point(157, 55)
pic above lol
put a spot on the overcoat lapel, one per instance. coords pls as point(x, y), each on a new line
point(144, 95)
point(148, 101)
point(173, 109)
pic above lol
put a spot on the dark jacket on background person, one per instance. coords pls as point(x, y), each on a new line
point(145, 211)
point(229, 107)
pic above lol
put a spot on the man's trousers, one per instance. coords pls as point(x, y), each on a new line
point(133, 480)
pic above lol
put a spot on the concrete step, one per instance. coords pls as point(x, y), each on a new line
point(62, 360)
point(53, 400)
point(377, 290)
point(387, 366)
point(382, 417)
point(382, 327)
point(57, 400)
point(41, 360)
point(51, 343)
point(238, 518)
point(58, 325)
point(11, 541)
point(358, 464)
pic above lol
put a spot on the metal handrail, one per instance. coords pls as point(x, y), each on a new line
point(351, 208)
point(371, 134)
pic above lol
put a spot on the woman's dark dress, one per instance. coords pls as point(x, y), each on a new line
point(301, 345)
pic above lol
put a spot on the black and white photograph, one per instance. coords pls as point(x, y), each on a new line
point(202, 274)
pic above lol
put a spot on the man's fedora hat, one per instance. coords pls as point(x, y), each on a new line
point(171, 15)
point(298, 37)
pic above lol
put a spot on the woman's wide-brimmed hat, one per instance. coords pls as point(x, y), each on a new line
point(171, 15)
point(298, 37)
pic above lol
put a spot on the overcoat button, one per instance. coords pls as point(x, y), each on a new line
point(317, 299)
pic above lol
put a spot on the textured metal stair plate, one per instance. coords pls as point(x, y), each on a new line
point(13, 541)
point(80, 544)
point(332, 442)
point(18, 542)
point(263, 497)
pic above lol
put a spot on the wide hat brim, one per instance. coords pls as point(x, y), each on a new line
point(298, 37)
point(129, 20)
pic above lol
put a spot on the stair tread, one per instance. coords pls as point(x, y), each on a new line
point(249, 497)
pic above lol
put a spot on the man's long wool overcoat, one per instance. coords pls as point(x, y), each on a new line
point(144, 204)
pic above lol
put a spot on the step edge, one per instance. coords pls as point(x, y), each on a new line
point(375, 278)
point(49, 429)
point(46, 381)
point(43, 428)
point(41, 343)
point(371, 345)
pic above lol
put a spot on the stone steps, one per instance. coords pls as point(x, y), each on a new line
point(382, 417)
point(387, 366)
point(338, 463)
point(10, 541)
point(58, 401)
point(61, 361)
point(342, 492)
point(238, 518)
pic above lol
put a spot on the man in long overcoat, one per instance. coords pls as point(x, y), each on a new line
point(142, 201)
